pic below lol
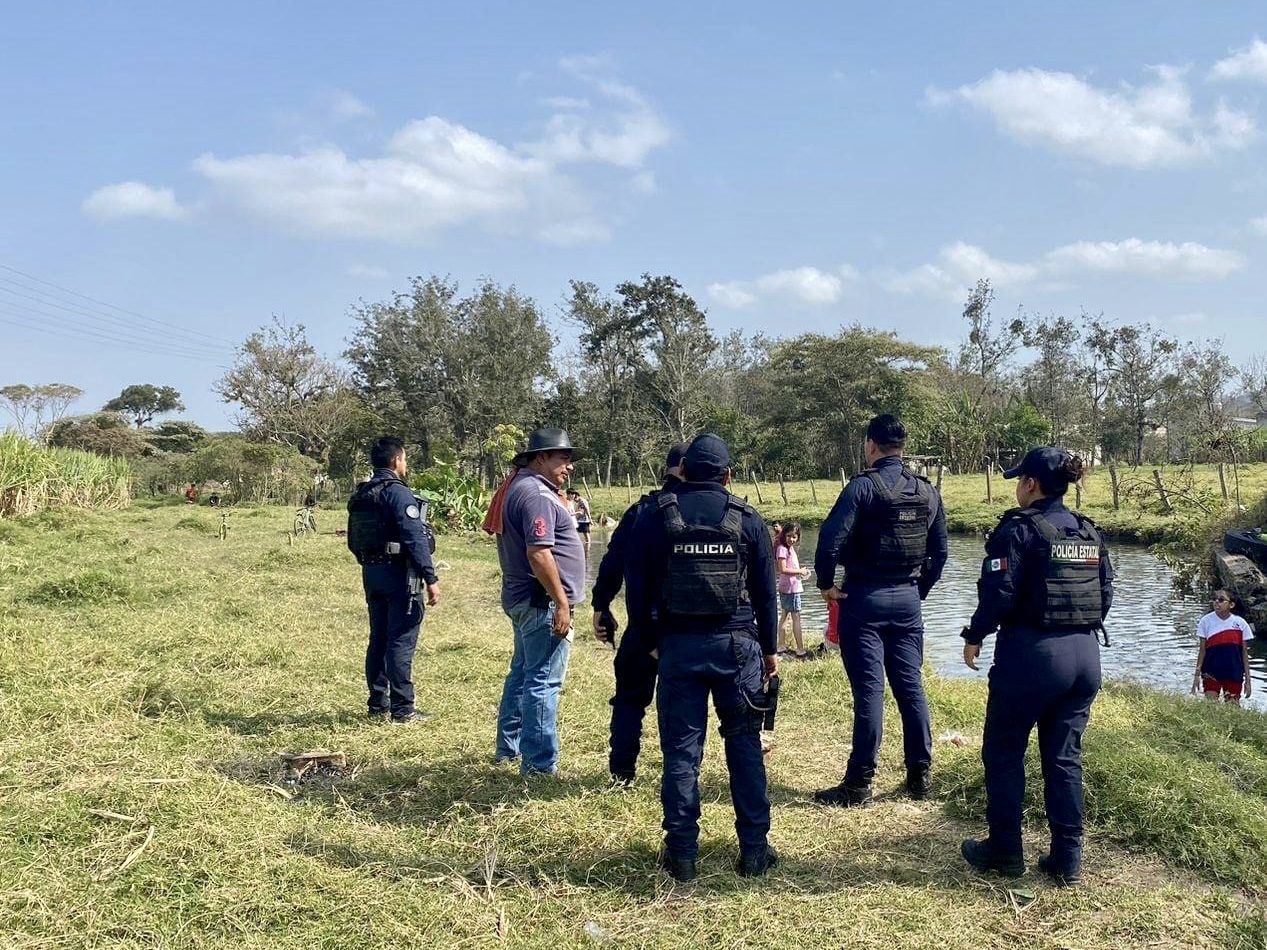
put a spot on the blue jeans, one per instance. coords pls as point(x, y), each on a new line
point(527, 720)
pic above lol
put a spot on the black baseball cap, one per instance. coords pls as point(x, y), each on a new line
point(676, 454)
point(708, 457)
point(1041, 463)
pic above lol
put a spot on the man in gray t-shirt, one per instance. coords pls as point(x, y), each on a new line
point(543, 579)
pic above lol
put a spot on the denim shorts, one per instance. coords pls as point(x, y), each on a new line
point(791, 603)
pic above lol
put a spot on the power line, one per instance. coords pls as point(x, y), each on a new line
point(123, 329)
point(132, 313)
point(151, 347)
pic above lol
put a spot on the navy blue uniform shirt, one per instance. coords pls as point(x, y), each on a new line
point(833, 536)
point(404, 520)
point(1014, 543)
point(611, 569)
point(701, 503)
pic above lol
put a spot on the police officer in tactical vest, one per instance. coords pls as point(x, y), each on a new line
point(1046, 585)
point(389, 534)
point(888, 529)
point(700, 575)
point(634, 663)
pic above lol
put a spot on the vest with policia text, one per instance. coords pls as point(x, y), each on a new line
point(371, 530)
point(1062, 588)
point(705, 571)
point(890, 537)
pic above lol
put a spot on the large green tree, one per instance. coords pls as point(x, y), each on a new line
point(141, 402)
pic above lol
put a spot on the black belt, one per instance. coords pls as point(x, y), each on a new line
point(377, 559)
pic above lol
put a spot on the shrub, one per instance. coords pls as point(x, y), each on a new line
point(457, 501)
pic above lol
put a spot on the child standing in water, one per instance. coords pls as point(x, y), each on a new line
point(1223, 656)
point(790, 581)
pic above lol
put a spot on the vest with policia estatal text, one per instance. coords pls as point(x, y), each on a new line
point(1064, 589)
point(370, 529)
point(705, 572)
point(889, 539)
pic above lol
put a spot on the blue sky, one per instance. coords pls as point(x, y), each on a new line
point(797, 167)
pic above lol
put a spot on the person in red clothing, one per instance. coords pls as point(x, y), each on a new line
point(191, 494)
point(1223, 656)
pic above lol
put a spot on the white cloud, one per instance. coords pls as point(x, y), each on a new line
point(367, 271)
point(434, 173)
point(803, 286)
point(344, 106)
point(1152, 125)
point(133, 199)
point(960, 265)
point(1249, 63)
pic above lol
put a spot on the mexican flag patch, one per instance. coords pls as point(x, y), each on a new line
point(996, 564)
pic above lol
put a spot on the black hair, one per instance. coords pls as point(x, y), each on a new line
point(1054, 484)
point(385, 451)
point(886, 431)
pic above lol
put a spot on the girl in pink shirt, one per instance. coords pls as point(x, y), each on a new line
point(790, 577)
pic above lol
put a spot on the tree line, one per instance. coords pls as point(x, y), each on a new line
point(626, 371)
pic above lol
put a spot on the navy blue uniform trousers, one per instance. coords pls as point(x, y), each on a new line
point(727, 666)
point(1048, 681)
point(395, 620)
point(635, 688)
point(882, 633)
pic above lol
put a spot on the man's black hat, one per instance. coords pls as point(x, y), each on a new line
point(707, 458)
point(546, 440)
point(1041, 463)
point(676, 454)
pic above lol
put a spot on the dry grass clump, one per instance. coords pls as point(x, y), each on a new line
point(147, 800)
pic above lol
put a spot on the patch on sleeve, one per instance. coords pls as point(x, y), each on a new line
point(538, 527)
point(413, 512)
point(995, 564)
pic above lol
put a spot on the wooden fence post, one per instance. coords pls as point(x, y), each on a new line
point(1161, 490)
point(1077, 494)
point(813, 493)
point(588, 495)
point(1223, 482)
point(843, 481)
point(1113, 484)
point(989, 485)
point(628, 488)
point(753, 475)
point(941, 470)
point(782, 488)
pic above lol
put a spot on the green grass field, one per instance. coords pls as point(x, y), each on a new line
point(151, 677)
point(1138, 518)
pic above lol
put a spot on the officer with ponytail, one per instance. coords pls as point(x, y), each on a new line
point(389, 534)
point(1046, 585)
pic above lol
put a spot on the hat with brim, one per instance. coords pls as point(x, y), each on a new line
point(547, 440)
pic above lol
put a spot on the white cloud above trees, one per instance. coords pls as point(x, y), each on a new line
point(797, 286)
point(133, 199)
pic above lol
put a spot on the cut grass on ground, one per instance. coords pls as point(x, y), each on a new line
point(152, 676)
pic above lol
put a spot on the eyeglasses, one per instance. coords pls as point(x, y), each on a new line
point(1222, 600)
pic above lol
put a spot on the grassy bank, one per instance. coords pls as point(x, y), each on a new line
point(1139, 517)
point(151, 676)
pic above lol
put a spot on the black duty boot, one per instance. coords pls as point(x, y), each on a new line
point(1063, 873)
point(755, 865)
point(983, 857)
point(919, 783)
point(845, 795)
point(680, 869)
point(414, 717)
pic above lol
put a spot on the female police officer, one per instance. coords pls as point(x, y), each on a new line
point(1046, 585)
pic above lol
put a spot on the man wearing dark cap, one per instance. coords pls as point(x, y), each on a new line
point(635, 666)
point(888, 529)
point(700, 575)
point(543, 580)
point(1046, 585)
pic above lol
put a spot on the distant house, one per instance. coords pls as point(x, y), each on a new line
point(1251, 422)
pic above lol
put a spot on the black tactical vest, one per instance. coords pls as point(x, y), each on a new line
point(1064, 590)
point(890, 537)
point(706, 573)
point(368, 531)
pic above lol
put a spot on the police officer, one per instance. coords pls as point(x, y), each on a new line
point(634, 664)
point(388, 533)
point(701, 576)
point(888, 529)
point(1046, 585)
